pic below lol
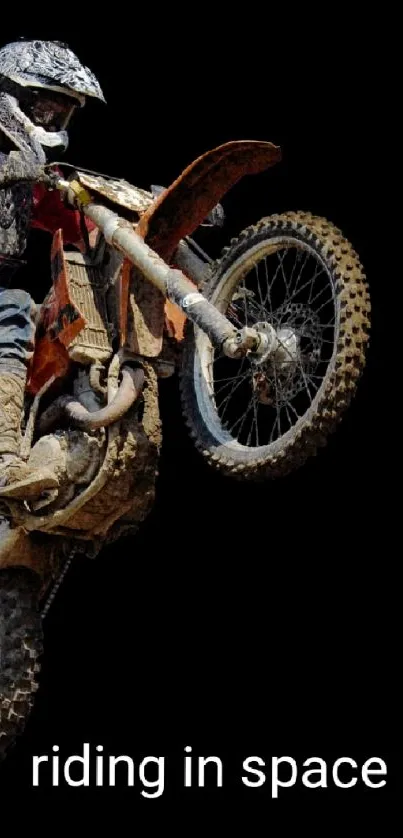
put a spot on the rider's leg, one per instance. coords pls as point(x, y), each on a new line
point(17, 336)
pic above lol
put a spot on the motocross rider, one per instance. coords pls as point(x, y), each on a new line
point(41, 85)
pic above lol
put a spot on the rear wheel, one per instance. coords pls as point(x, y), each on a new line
point(297, 279)
point(20, 650)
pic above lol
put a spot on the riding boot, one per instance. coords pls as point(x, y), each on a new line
point(17, 479)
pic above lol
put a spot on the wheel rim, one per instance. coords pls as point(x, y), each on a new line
point(282, 285)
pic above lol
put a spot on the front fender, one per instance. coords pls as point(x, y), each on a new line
point(180, 210)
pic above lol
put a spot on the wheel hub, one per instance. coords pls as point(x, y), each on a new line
point(276, 357)
point(278, 348)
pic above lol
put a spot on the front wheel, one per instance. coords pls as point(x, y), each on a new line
point(296, 278)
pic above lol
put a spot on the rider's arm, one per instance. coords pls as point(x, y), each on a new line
point(16, 168)
point(49, 211)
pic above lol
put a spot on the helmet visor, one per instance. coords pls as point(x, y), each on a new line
point(51, 111)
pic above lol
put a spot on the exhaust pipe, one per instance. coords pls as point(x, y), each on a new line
point(68, 407)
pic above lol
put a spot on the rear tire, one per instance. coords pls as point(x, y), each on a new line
point(299, 236)
point(21, 646)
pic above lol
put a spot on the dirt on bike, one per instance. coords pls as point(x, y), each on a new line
point(268, 341)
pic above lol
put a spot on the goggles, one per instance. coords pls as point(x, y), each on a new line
point(52, 112)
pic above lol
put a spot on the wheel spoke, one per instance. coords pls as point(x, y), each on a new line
point(284, 279)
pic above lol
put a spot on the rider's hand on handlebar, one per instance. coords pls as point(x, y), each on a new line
point(50, 178)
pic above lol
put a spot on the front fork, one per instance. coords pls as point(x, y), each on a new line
point(173, 284)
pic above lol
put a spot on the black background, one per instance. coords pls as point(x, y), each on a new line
point(241, 620)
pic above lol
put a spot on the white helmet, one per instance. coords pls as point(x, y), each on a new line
point(45, 82)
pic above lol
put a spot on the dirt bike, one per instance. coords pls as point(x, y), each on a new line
point(268, 342)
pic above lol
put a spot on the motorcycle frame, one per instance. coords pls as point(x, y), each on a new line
point(151, 244)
